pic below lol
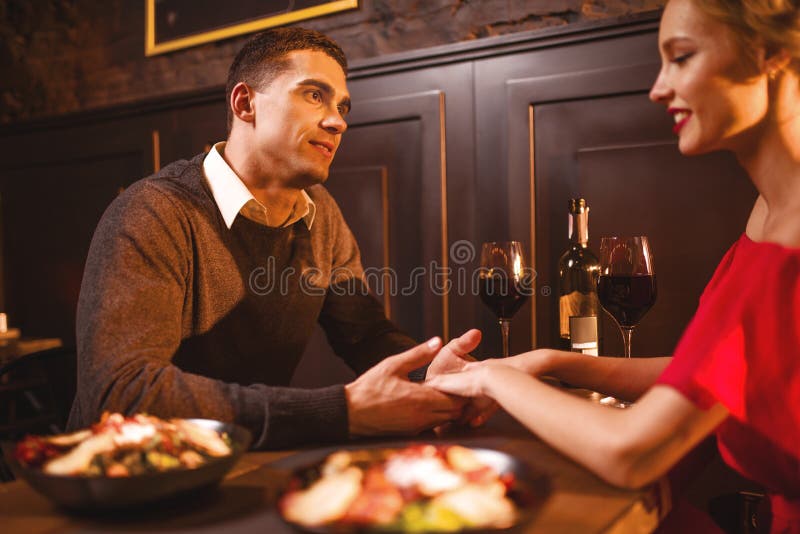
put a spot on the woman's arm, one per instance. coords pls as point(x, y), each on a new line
point(628, 448)
point(625, 378)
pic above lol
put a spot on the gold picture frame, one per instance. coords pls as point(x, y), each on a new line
point(154, 44)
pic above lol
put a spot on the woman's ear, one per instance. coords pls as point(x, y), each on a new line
point(776, 62)
point(242, 102)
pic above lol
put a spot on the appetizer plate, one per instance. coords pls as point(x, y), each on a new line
point(528, 491)
point(95, 493)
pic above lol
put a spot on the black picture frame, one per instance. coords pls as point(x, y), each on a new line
point(177, 24)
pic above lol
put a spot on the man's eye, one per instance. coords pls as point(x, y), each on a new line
point(315, 96)
point(343, 110)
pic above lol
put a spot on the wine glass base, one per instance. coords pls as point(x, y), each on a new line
point(615, 402)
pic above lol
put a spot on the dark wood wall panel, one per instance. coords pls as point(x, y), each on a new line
point(509, 89)
point(185, 132)
point(652, 190)
point(55, 184)
point(363, 194)
point(51, 212)
point(447, 90)
point(594, 133)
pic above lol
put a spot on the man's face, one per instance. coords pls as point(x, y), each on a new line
point(300, 118)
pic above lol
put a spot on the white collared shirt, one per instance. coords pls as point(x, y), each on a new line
point(233, 197)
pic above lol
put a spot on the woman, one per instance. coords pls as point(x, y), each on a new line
point(730, 79)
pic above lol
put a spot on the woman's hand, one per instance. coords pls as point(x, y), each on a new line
point(455, 355)
point(476, 380)
point(534, 363)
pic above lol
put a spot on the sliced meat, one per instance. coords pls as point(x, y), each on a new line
point(78, 459)
point(324, 501)
point(204, 439)
point(379, 502)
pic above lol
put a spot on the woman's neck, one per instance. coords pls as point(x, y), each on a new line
point(771, 158)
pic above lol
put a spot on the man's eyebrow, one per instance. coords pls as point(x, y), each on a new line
point(326, 87)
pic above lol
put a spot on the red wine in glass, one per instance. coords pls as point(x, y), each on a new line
point(502, 295)
point(505, 284)
point(627, 297)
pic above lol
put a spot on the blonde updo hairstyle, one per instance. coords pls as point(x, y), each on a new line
point(773, 24)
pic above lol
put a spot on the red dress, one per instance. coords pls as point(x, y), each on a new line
point(742, 349)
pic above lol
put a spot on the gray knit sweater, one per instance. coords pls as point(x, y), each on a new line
point(180, 316)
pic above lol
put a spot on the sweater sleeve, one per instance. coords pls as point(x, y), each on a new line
point(129, 321)
point(353, 320)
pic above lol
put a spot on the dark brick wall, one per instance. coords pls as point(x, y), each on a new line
point(61, 56)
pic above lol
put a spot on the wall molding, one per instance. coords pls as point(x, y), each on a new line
point(404, 61)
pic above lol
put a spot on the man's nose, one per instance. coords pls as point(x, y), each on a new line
point(334, 123)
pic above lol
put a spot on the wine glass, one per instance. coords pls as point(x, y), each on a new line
point(627, 284)
point(626, 287)
point(505, 283)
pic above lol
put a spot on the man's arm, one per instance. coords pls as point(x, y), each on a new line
point(357, 328)
point(130, 323)
point(387, 397)
point(353, 320)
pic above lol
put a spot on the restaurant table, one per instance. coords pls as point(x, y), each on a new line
point(11, 349)
point(574, 500)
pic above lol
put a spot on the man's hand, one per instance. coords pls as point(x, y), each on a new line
point(384, 401)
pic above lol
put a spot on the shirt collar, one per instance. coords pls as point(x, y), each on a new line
point(233, 197)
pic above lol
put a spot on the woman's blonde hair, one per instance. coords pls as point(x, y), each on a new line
point(773, 24)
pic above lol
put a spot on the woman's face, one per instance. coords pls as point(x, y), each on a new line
point(715, 94)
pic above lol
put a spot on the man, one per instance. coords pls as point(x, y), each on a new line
point(172, 317)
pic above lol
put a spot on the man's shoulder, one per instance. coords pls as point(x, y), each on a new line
point(326, 205)
point(319, 194)
point(175, 191)
point(178, 182)
point(181, 175)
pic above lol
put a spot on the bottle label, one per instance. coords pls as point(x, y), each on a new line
point(583, 332)
point(590, 349)
point(576, 304)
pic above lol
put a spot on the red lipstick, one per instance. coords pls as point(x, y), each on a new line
point(680, 124)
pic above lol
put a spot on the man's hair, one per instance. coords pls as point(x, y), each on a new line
point(263, 57)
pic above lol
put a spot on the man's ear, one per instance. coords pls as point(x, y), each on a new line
point(242, 102)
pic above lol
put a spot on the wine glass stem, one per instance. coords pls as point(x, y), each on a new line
point(627, 333)
point(505, 327)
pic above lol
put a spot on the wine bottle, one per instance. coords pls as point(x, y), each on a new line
point(578, 273)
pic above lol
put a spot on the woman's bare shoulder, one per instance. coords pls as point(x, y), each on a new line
point(784, 230)
point(758, 216)
point(781, 228)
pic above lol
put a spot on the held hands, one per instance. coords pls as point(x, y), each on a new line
point(384, 401)
point(478, 380)
point(475, 379)
point(455, 357)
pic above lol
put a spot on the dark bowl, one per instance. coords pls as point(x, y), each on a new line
point(84, 493)
point(528, 492)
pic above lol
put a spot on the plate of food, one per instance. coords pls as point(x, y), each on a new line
point(127, 461)
point(416, 488)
